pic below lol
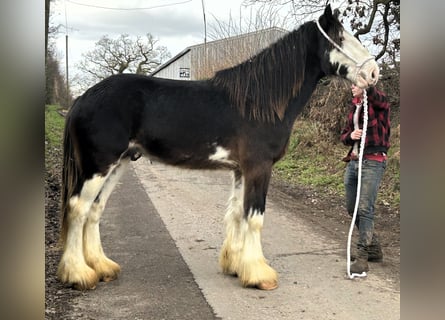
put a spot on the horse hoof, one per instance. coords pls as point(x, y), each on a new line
point(83, 287)
point(89, 283)
point(107, 270)
point(109, 277)
point(267, 285)
point(80, 277)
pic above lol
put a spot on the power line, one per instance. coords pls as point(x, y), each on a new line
point(128, 9)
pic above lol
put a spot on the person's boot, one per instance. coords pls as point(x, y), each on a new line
point(375, 253)
point(361, 262)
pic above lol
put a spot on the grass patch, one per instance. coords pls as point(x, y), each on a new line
point(311, 159)
point(54, 125)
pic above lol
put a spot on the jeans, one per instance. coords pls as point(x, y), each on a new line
point(372, 173)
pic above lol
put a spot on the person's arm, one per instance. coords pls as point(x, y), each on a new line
point(377, 98)
point(345, 136)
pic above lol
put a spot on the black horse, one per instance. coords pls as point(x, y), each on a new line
point(240, 120)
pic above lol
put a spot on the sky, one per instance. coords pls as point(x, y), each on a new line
point(176, 24)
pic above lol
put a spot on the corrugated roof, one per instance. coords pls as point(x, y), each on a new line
point(186, 50)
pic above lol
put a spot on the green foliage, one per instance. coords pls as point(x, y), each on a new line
point(54, 125)
point(312, 159)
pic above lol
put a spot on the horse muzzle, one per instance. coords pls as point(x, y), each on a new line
point(367, 74)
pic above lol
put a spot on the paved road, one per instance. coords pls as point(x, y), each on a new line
point(164, 226)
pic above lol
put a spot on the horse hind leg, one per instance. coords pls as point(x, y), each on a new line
point(230, 253)
point(73, 268)
point(105, 268)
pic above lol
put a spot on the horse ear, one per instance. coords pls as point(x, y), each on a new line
point(326, 16)
point(328, 11)
point(336, 13)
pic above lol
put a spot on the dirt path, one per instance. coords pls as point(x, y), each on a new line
point(311, 262)
point(304, 239)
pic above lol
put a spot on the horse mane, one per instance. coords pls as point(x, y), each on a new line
point(262, 86)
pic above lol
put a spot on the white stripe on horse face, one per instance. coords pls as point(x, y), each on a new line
point(355, 49)
point(221, 155)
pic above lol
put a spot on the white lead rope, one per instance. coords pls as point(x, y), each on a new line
point(362, 147)
point(359, 184)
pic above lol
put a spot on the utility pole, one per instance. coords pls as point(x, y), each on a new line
point(205, 23)
point(205, 35)
point(66, 62)
point(66, 58)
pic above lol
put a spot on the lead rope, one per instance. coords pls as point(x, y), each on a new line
point(362, 147)
point(359, 184)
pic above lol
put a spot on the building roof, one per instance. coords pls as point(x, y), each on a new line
point(214, 42)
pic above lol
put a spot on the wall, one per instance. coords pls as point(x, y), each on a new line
point(178, 69)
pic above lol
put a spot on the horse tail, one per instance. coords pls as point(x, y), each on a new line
point(71, 176)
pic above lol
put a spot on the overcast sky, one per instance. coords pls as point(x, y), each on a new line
point(177, 24)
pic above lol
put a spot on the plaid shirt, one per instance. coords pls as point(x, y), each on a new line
point(379, 125)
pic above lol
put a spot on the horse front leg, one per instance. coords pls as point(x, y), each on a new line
point(230, 253)
point(253, 269)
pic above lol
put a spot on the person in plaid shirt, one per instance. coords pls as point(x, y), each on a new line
point(373, 167)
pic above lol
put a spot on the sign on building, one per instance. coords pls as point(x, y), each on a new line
point(184, 72)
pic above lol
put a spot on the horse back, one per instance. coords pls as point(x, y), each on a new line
point(178, 122)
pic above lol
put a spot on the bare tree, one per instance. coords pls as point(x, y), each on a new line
point(257, 27)
point(56, 91)
point(47, 10)
point(252, 17)
point(380, 19)
point(120, 55)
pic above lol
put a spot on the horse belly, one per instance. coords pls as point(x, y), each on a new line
point(188, 154)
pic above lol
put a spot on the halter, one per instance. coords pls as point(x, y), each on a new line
point(359, 65)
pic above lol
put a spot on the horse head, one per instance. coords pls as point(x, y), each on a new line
point(343, 54)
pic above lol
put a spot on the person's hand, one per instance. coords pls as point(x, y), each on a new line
point(356, 134)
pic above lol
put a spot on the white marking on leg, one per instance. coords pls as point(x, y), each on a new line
point(233, 244)
point(221, 155)
point(253, 269)
point(252, 250)
point(95, 257)
point(72, 266)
